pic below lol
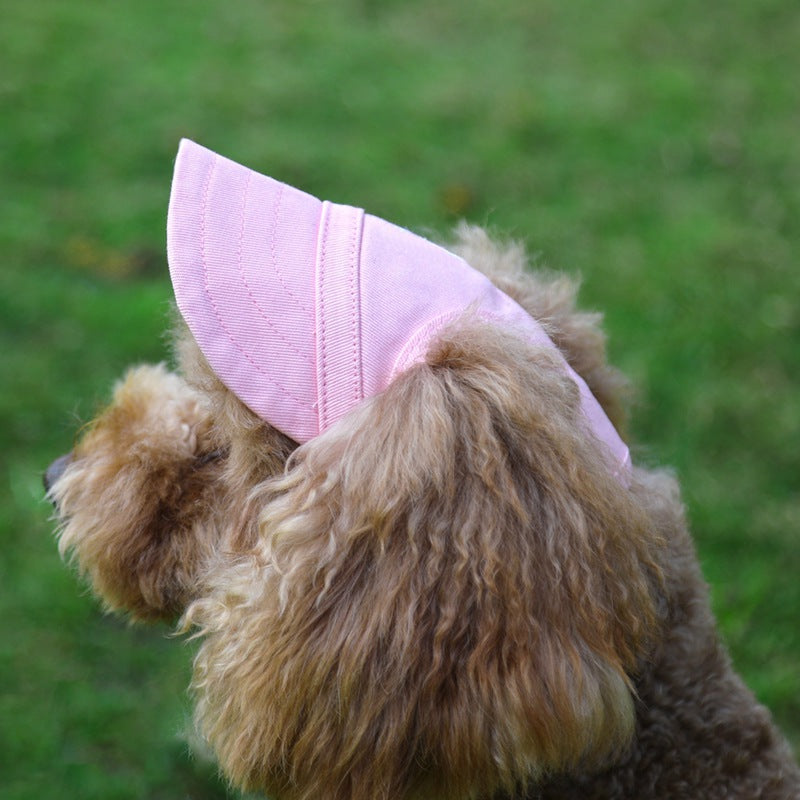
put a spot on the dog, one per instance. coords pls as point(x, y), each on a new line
point(387, 487)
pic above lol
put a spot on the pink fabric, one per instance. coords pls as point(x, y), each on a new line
point(305, 308)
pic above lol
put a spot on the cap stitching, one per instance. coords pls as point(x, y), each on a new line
point(207, 290)
point(240, 268)
point(323, 354)
point(358, 391)
point(276, 208)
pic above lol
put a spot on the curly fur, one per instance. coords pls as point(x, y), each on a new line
point(435, 551)
point(446, 595)
point(136, 506)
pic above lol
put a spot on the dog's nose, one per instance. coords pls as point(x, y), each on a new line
point(55, 471)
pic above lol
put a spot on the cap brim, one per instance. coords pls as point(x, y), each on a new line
point(230, 230)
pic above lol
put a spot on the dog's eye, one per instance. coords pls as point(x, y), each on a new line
point(207, 458)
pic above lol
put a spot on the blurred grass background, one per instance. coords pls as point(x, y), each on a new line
point(650, 146)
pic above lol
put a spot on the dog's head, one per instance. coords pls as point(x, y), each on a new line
point(433, 578)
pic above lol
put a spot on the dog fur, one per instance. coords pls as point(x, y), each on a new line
point(445, 595)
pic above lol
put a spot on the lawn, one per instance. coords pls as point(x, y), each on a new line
point(649, 146)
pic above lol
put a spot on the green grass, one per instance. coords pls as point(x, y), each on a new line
point(650, 146)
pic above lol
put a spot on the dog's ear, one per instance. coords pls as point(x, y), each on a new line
point(134, 500)
point(450, 596)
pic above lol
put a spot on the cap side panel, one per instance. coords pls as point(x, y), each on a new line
point(407, 284)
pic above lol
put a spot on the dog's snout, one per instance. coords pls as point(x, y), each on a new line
point(55, 471)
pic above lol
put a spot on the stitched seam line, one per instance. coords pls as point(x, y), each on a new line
point(323, 388)
point(358, 391)
point(276, 209)
point(217, 314)
point(251, 295)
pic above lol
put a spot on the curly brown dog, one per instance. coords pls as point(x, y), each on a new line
point(450, 591)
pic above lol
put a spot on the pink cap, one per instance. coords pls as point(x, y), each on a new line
point(305, 308)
